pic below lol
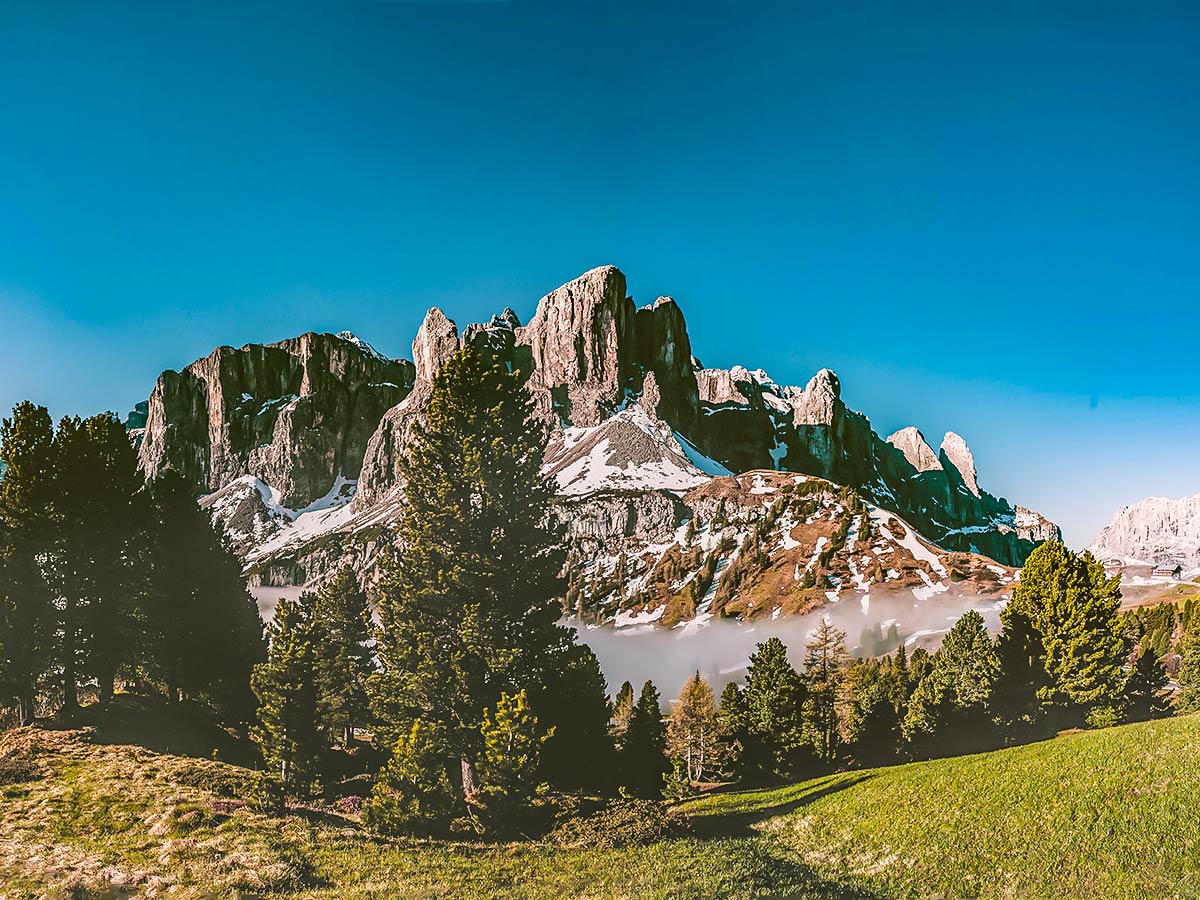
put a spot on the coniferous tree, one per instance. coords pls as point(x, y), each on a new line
point(292, 729)
point(201, 632)
point(413, 792)
point(26, 528)
point(1188, 678)
point(1144, 690)
point(622, 708)
point(731, 712)
point(643, 759)
point(1072, 606)
point(92, 556)
point(694, 730)
point(949, 708)
point(468, 604)
point(508, 764)
point(343, 618)
point(579, 755)
point(1022, 682)
point(877, 699)
point(825, 662)
point(772, 735)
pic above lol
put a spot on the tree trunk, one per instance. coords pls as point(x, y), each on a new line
point(468, 778)
point(26, 703)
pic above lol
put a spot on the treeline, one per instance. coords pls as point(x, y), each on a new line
point(105, 579)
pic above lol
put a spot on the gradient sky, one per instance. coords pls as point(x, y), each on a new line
point(983, 220)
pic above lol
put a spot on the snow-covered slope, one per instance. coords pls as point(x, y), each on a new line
point(1154, 531)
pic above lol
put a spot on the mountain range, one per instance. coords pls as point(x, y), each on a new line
point(688, 491)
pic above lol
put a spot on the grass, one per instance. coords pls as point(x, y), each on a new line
point(1108, 814)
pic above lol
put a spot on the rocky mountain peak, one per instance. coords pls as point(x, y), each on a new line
point(1154, 531)
point(916, 450)
point(817, 404)
point(958, 454)
point(436, 342)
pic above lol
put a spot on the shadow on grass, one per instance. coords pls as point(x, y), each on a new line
point(742, 821)
point(756, 869)
point(183, 729)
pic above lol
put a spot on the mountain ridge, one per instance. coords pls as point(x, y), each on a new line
point(297, 443)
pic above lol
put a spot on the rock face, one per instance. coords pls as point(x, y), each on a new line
point(917, 452)
point(296, 414)
point(300, 442)
point(1155, 531)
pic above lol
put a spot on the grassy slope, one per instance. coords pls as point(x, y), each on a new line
point(1113, 814)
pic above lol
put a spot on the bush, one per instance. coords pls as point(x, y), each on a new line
point(412, 793)
point(620, 823)
point(17, 768)
point(1102, 717)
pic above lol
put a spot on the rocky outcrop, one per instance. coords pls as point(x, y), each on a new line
point(436, 342)
point(957, 455)
point(919, 454)
point(1155, 531)
point(634, 417)
point(296, 414)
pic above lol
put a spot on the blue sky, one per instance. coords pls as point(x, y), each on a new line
point(983, 220)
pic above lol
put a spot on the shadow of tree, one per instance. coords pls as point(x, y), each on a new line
point(760, 870)
point(742, 821)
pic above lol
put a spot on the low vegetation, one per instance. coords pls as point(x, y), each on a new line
point(1110, 813)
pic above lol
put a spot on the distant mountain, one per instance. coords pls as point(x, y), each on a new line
point(295, 447)
point(1153, 532)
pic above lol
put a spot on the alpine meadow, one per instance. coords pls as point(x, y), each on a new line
point(551, 608)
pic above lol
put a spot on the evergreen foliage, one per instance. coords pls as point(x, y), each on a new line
point(643, 758)
point(508, 764)
point(772, 729)
point(1144, 698)
point(1072, 607)
point(413, 792)
point(825, 662)
point(292, 729)
point(343, 619)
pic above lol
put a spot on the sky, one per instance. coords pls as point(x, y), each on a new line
point(985, 220)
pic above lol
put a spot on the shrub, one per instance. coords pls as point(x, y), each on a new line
point(620, 823)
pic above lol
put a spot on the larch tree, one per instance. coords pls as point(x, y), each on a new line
point(825, 662)
point(694, 729)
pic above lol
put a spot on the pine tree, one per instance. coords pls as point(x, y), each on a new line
point(876, 702)
point(1022, 680)
point(343, 618)
point(643, 759)
point(468, 604)
point(292, 728)
point(622, 709)
point(1188, 678)
point(774, 700)
point(1144, 698)
point(731, 713)
point(1073, 607)
point(26, 528)
point(825, 662)
point(950, 706)
point(693, 730)
point(508, 764)
point(92, 556)
point(201, 633)
point(579, 755)
point(412, 793)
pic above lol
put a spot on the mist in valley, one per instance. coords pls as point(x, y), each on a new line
point(720, 648)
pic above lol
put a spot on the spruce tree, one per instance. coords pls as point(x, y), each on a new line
point(731, 713)
point(1144, 690)
point(343, 619)
point(292, 721)
point(693, 730)
point(773, 733)
point(1073, 607)
point(201, 632)
point(27, 614)
point(468, 603)
point(825, 662)
point(949, 709)
point(643, 759)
